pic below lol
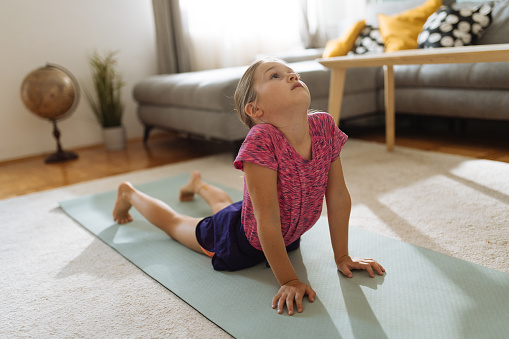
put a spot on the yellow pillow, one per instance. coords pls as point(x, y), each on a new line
point(400, 31)
point(342, 45)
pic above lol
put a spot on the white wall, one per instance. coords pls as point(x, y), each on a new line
point(64, 32)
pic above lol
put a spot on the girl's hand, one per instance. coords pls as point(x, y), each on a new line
point(292, 290)
point(345, 264)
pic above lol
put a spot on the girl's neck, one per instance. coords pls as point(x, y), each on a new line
point(299, 137)
point(293, 124)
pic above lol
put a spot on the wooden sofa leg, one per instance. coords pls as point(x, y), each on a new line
point(147, 132)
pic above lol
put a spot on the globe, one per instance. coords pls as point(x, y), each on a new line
point(52, 93)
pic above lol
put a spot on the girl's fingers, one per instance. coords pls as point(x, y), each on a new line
point(289, 304)
point(369, 269)
point(311, 293)
point(298, 302)
point(369, 265)
point(291, 296)
point(380, 270)
point(275, 300)
point(373, 266)
point(346, 271)
point(281, 305)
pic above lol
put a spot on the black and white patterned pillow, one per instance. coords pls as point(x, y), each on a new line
point(455, 26)
point(369, 41)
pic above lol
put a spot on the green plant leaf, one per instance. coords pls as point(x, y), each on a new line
point(107, 101)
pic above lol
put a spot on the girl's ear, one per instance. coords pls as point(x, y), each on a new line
point(253, 111)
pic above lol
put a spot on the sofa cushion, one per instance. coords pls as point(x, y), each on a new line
point(209, 124)
point(342, 45)
point(454, 26)
point(317, 78)
point(473, 76)
point(400, 31)
point(451, 102)
point(211, 89)
point(369, 41)
point(373, 8)
point(498, 31)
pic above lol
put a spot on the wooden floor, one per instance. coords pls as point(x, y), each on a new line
point(29, 175)
point(474, 139)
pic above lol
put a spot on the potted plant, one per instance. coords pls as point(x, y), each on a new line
point(107, 103)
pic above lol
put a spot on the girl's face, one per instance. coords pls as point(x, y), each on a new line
point(279, 89)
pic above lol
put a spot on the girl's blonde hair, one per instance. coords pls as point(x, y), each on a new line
point(245, 92)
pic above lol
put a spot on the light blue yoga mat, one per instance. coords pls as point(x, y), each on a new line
point(424, 294)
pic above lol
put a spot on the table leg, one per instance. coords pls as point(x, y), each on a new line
point(389, 107)
point(337, 85)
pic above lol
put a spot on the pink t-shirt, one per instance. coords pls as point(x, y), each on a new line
point(301, 183)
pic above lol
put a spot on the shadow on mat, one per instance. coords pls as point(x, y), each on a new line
point(314, 322)
point(363, 320)
point(486, 292)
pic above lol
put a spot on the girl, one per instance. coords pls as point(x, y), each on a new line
point(290, 161)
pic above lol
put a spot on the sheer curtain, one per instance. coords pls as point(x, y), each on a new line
point(232, 32)
point(326, 19)
point(204, 34)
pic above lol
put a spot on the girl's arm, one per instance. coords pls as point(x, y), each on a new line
point(338, 211)
point(262, 187)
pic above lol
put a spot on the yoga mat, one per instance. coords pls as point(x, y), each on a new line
point(424, 294)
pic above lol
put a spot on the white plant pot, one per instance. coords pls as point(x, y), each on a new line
point(114, 138)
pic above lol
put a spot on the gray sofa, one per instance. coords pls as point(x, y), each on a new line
point(201, 103)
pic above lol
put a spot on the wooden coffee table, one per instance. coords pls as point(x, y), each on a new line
point(453, 55)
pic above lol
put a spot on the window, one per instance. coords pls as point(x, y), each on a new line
point(232, 32)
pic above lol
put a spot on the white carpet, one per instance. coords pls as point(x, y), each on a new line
point(59, 280)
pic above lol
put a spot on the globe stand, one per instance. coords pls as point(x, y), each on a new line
point(52, 93)
point(60, 155)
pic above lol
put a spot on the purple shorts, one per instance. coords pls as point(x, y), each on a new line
point(223, 235)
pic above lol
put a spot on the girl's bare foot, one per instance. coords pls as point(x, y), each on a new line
point(122, 205)
point(195, 183)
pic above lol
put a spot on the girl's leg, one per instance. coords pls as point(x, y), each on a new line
point(214, 196)
point(179, 227)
